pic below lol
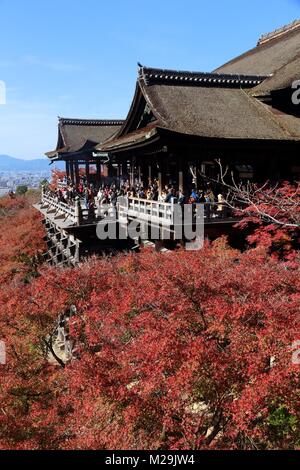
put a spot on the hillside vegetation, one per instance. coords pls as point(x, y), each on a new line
point(186, 350)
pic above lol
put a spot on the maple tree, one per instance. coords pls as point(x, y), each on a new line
point(56, 177)
point(186, 350)
point(271, 210)
point(21, 237)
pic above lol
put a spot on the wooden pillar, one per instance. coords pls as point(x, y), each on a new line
point(132, 172)
point(87, 172)
point(183, 174)
point(110, 170)
point(180, 180)
point(77, 178)
point(144, 174)
point(124, 169)
point(68, 169)
point(105, 172)
point(181, 184)
point(120, 176)
point(162, 172)
point(98, 175)
point(160, 177)
point(72, 172)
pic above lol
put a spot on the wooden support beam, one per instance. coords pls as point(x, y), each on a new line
point(72, 172)
point(87, 172)
point(98, 177)
point(68, 169)
point(181, 181)
point(144, 174)
point(124, 169)
point(132, 172)
point(110, 170)
point(161, 174)
point(77, 178)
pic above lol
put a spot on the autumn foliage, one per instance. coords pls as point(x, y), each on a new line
point(274, 216)
point(185, 350)
point(21, 237)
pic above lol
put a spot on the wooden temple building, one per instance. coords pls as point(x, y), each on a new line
point(77, 142)
point(69, 235)
point(245, 113)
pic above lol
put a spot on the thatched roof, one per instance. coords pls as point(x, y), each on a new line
point(204, 105)
point(273, 51)
point(212, 112)
point(237, 101)
point(283, 78)
point(75, 135)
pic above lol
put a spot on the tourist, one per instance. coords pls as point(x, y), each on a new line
point(113, 198)
point(194, 198)
point(99, 196)
point(141, 193)
point(170, 196)
point(162, 196)
point(181, 197)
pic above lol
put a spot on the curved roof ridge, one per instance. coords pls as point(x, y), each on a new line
point(279, 32)
point(90, 122)
point(272, 51)
point(156, 75)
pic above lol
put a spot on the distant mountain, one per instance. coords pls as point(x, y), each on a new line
point(8, 163)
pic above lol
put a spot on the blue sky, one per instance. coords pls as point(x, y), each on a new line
point(78, 58)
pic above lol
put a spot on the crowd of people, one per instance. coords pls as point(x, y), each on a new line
point(94, 197)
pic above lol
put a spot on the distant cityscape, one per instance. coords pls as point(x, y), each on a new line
point(16, 172)
point(10, 180)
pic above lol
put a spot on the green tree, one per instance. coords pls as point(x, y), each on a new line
point(22, 189)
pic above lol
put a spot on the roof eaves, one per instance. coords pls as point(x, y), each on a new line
point(277, 33)
point(54, 153)
point(90, 122)
point(151, 76)
point(125, 141)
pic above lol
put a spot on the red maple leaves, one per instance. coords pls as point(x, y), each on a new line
point(186, 350)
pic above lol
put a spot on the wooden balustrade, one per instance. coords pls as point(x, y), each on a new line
point(156, 212)
point(73, 213)
point(163, 213)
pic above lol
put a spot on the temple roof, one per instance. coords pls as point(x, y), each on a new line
point(202, 105)
point(75, 135)
point(239, 100)
point(282, 78)
point(273, 51)
point(165, 76)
